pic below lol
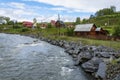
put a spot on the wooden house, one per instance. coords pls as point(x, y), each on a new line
point(89, 30)
point(59, 24)
point(43, 25)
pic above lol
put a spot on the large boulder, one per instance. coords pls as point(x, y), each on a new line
point(83, 57)
point(92, 65)
point(76, 51)
point(101, 72)
point(66, 45)
point(105, 54)
point(61, 43)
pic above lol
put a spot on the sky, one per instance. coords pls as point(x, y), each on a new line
point(47, 10)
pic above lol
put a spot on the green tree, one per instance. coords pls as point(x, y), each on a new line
point(7, 19)
point(116, 31)
point(11, 22)
point(84, 21)
point(34, 23)
point(77, 20)
point(105, 11)
point(91, 16)
point(113, 8)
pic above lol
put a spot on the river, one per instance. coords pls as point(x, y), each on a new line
point(25, 58)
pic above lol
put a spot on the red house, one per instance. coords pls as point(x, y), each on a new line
point(27, 24)
point(53, 22)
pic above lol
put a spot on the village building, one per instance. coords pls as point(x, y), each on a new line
point(90, 31)
point(43, 25)
point(27, 24)
point(53, 22)
point(69, 25)
point(59, 24)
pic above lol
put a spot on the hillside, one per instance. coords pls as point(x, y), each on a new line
point(106, 20)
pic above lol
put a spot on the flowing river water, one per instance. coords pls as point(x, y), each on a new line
point(25, 58)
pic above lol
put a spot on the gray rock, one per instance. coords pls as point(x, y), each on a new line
point(70, 52)
point(117, 77)
point(61, 43)
point(76, 51)
point(105, 54)
point(92, 65)
point(101, 72)
point(66, 46)
point(83, 57)
point(89, 67)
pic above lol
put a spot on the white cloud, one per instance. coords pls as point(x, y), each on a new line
point(18, 11)
point(21, 11)
point(59, 9)
point(14, 5)
point(83, 5)
point(18, 5)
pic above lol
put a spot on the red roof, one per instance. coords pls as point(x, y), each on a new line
point(27, 24)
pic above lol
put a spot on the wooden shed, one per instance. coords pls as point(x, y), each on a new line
point(88, 30)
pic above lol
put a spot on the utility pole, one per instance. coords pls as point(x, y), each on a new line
point(59, 23)
point(58, 17)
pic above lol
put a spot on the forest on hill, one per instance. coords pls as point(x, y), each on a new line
point(105, 17)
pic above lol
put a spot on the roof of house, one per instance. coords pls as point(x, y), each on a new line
point(60, 22)
point(83, 27)
point(98, 29)
point(27, 22)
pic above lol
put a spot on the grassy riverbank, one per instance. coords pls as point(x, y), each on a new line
point(111, 44)
point(53, 33)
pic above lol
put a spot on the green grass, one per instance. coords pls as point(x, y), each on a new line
point(53, 33)
point(109, 28)
point(85, 41)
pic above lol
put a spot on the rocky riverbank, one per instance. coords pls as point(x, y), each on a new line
point(93, 59)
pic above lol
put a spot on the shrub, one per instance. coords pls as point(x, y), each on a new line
point(116, 31)
point(49, 25)
point(24, 29)
point(70, 31)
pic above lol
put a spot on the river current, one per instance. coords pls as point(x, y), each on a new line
point(26, 58)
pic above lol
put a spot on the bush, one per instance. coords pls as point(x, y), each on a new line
point(17, 26)
point(70, 31)
point(24, 29)
point(116, 31)
point(49, 25)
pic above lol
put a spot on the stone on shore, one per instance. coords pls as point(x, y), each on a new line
point(101, 72)
point(92, 65)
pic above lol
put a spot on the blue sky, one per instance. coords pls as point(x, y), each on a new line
point(46, 10)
